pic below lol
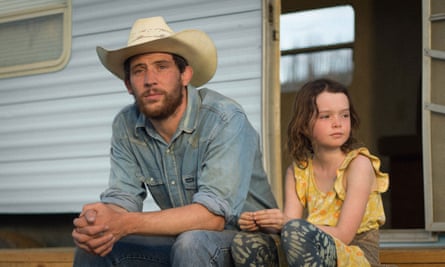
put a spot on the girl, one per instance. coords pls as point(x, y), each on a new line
point(333, 207)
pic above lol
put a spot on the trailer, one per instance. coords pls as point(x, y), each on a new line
point(56, 110)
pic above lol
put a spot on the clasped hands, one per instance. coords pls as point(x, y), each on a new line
point(96, 229)
point(269, 220)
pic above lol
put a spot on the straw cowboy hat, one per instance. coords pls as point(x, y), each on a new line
point(154, 35)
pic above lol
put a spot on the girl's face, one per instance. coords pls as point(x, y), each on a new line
point(332, 124)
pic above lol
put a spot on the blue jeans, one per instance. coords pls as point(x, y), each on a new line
point(192, 248)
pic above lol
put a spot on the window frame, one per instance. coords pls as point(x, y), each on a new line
point(322, 47)
point(22, 12)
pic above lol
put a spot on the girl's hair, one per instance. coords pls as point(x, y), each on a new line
point(305, 111)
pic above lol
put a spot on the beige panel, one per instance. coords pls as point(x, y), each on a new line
point(437, 36)
point(437, 6)
point(437, 161)
point(437, 81)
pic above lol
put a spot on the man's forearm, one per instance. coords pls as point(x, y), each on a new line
point(172, 221)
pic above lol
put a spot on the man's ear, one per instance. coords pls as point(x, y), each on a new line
point(187, 75)
point(129, 88)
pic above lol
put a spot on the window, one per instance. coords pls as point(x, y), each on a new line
point(35, 37)
point(316, 43)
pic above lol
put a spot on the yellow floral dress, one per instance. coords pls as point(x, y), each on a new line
point(325, 208)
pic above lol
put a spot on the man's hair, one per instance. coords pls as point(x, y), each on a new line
point(180, 62)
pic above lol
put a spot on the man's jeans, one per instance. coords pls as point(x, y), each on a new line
point(192, 248)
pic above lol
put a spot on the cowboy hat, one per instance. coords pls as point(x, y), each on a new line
point(154, 35)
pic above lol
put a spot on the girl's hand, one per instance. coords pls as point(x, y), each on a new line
point(270, 220)
point(247, 222)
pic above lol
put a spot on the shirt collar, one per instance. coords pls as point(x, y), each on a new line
point(190, 119)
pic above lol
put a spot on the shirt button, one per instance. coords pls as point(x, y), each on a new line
point(173, 182)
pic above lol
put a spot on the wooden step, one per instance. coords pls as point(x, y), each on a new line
point(63, 257)
point(37, 257)
point(413, 257)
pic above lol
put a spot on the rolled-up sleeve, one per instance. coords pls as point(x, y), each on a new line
point(125, 187)
point(227, 167)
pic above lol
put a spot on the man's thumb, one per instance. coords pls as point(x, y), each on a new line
point(90, 215)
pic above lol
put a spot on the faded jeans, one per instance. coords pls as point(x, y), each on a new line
point(192, 248)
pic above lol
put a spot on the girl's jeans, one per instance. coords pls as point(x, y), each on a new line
point(302, 244)
point(306, 245)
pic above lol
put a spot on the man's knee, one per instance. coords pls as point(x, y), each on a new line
point(189, 241)
point(83, 258)
point(201, 248)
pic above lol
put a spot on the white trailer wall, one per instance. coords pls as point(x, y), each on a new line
point(55, 128)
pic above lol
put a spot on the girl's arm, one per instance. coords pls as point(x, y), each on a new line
point(360, 179)
point(272, 220)
point(293, 209)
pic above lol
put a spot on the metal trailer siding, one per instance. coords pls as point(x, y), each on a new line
point(55, 128)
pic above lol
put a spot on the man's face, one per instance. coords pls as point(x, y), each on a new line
point(157, 85)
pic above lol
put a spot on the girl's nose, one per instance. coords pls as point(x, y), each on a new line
point(336, 122)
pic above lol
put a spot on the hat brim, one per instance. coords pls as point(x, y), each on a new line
point(193, 45)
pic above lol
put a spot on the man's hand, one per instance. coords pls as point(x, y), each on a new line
point(97, 228)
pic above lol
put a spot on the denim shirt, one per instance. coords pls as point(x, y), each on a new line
point(213, 159)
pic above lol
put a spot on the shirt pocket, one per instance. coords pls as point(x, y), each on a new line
point(190, 186)
point(158, 190)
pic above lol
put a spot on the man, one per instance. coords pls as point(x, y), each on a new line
point(193, 150)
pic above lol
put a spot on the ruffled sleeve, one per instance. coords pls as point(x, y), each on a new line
point(382, 181)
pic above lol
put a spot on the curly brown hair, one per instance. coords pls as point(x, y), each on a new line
point(305, 111)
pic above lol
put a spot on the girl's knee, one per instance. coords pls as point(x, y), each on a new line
point(296, 225)
point(298, 233)
point(254, 249)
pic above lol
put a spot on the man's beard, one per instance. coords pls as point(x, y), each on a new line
point(170, 104)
